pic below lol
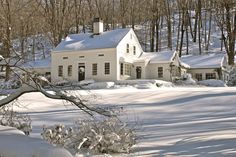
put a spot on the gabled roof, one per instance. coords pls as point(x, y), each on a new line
point(44, 63)
point(214, 60)
point(158, 57)
point(88, 41)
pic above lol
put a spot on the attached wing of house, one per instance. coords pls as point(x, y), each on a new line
point(209, 66)
point(213, 60)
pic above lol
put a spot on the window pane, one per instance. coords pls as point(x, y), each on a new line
point(210, 76)
point(127, 48)
point(60, 71)
point(94, 69)
point(70, 70)
point(199, 77)
point(107, 68)
point(127, 69)
point(121, 69)
point(160, 72)
point(134, 50)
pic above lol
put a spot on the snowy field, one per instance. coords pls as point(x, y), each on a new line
point(169, 121)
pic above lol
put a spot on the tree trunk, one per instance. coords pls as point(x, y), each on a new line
point(177, 45)
point(168, 18)
point(157, 34)
point(182, 36)
point(152, 36)
point(195, 26)
point(199, 26)
point(209, 31)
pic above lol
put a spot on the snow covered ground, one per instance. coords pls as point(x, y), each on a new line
point(169, 121)
point(14, 143)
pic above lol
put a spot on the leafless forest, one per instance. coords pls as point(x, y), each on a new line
point(183, 20)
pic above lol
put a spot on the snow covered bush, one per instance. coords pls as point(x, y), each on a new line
point(213, 83)
point(57, 134)
point(106, 136)
point(8, 117)
point(186, 79)
point(13, 83)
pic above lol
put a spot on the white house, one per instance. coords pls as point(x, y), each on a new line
point(164, 65)
point(110, 56)
point(209, 66)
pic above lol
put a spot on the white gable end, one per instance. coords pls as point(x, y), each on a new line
point(129, 47)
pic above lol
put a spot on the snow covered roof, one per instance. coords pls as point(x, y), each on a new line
point(88, 41)
point(214, 60)
point(44, 63)
point(158, 57)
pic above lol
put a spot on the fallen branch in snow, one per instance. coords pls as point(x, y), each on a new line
point(35, 85)
point(56, 93)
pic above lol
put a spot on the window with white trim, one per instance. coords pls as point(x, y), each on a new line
point(198, 76)
point(210, 76)
point(121, 68)
point(128, 69)
point(160, 72)
point(60, 70)
point(134, 50)
point(69, 70)
point(127, 48)
point(107, 68)
point(94, 69)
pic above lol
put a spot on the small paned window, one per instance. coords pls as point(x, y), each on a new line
point(198, 76)
point(127, 48)
point(134, 50)
point(210, 76)
point(107, 68)
point(160, 72)
point(60, 71)
point(70, 70)
point(121, 69)
point(128, 69)
point(94, 69)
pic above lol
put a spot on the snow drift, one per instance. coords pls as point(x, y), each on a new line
point(14, 143)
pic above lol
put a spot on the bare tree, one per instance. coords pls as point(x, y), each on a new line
point(226, 19)
point(56, 14)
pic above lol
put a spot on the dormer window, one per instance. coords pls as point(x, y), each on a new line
point(127, 48)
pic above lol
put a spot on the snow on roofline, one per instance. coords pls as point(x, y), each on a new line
point(89, 41)
point(44, 63)
point(213, 60)
point(157, 57)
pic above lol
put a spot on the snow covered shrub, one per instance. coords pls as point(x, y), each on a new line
point(106, 136)
point(57, 134)
point(186, 79)
point(8, 117)
point(213, 83)
point(14, 83)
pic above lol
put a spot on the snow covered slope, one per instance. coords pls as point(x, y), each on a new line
point(170, 121)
